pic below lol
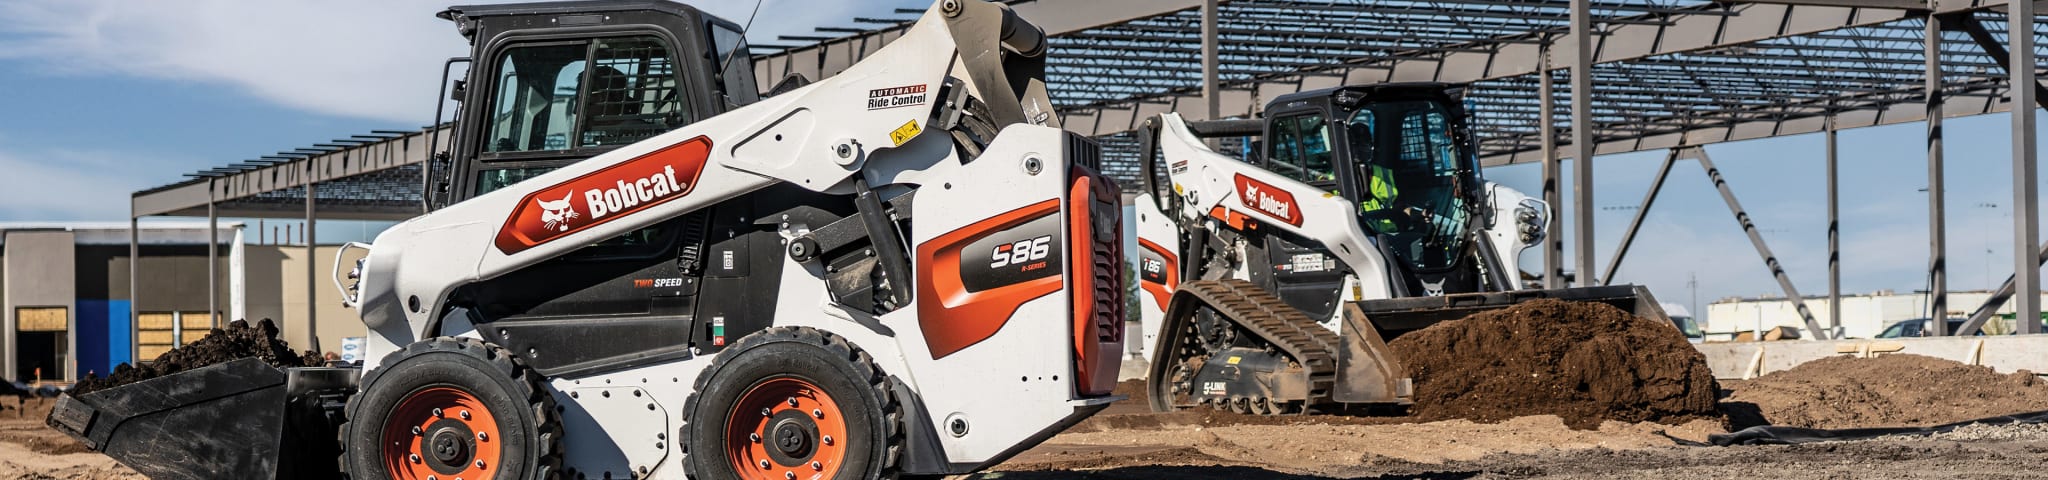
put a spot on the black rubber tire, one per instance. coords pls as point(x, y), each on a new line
point(843, 371)
point(531, 430)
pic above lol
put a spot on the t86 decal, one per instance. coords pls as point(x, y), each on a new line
point(601, 196)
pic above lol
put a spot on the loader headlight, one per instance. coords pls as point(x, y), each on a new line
point(1530, 217)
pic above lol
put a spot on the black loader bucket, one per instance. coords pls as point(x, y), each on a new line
point(242, 419)
point(1371, 374)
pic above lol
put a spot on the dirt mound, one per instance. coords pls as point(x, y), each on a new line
point(1586, 362)
point(239, 340)
point(1885, 391)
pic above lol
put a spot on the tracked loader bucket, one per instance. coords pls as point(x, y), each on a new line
point(242, 419)
point(1369, 372)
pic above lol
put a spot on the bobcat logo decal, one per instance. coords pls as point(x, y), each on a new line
point(556, 214)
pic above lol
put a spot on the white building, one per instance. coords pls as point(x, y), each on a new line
point(1863, 316)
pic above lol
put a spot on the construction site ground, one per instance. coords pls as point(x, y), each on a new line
point(1129, 442)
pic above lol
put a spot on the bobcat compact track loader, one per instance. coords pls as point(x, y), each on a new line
point(1276, 280)
point(639, 269)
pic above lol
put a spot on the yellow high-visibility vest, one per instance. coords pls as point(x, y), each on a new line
point(1380, 193)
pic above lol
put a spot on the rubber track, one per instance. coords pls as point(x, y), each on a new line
point(1273, 320)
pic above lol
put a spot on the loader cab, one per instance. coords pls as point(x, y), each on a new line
point(555, 83)
point(1404, 155)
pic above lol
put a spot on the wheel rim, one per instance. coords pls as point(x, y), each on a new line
point(783, 428)
point(441, 433)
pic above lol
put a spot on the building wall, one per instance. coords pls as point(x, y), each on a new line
point(1863, 316)
point(277, 289)
point(43, 273)
point(172, 279)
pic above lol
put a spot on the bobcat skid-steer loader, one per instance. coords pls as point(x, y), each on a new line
point(1354, 215)
point(636, 268)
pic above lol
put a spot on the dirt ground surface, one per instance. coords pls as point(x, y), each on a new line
point(1129, 442)
point(30, 450)
point(1889, 390)
point(1587, 362)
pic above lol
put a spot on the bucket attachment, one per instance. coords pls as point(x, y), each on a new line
point(1371, 373)
point(240, 419)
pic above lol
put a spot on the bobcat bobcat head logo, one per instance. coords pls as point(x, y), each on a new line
point(556, 214)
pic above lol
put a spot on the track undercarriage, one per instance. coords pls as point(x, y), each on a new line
point(1235, 347)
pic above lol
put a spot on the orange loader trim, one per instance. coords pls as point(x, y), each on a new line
point(953, 318)
point(1161, 293)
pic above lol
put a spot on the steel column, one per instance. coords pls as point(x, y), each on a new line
point(1757, 239)
point(1834, 233)
point(1642, 211)
point(1210, 93)
point(212, 259)
point(134, 294)
point(312, 265)
point(1989, 45)
point(1553, 239)
point(2026, 206)
point(1937, 210)
point(1582, 138)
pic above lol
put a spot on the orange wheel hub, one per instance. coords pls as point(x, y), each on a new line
point(783, 428)
point(441, 433)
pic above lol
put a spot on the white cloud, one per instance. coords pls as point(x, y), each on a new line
point(368, 59)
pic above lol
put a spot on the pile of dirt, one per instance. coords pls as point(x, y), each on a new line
point(1582, 361)
point(238, 341)
point(1885, 391)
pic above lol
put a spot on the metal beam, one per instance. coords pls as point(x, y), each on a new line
point(1582, 138)
point(1209, 62)
point(190, 197)
point(1990, 46)
point(1700, 29)
point(1937, 209)
point(1895, 4)
point(134, 293)
point(1834, 233)
point(2025, 172)
point(1553, 171)
point(1642, 211)
point(212, 266)
point(1757, 239)
point(1991, 304)
point(312, 265)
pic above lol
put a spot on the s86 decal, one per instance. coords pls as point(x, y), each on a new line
point(1022, 252)
point(971, 280)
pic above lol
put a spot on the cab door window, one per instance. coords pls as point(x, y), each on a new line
point(537, 87)
point(578, 98)
point(632, 94)
point(1300, 148)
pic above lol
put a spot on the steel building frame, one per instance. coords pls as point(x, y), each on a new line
point(1635, 74)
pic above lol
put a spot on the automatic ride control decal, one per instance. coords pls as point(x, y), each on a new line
point(1267, 199)
point(894, 97)
point(604, 195)
point(971, 280)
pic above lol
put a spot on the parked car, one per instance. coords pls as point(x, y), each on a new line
point(1918, 328)
point(1682, 320)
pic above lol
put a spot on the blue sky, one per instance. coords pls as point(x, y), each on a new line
point(109, 97)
